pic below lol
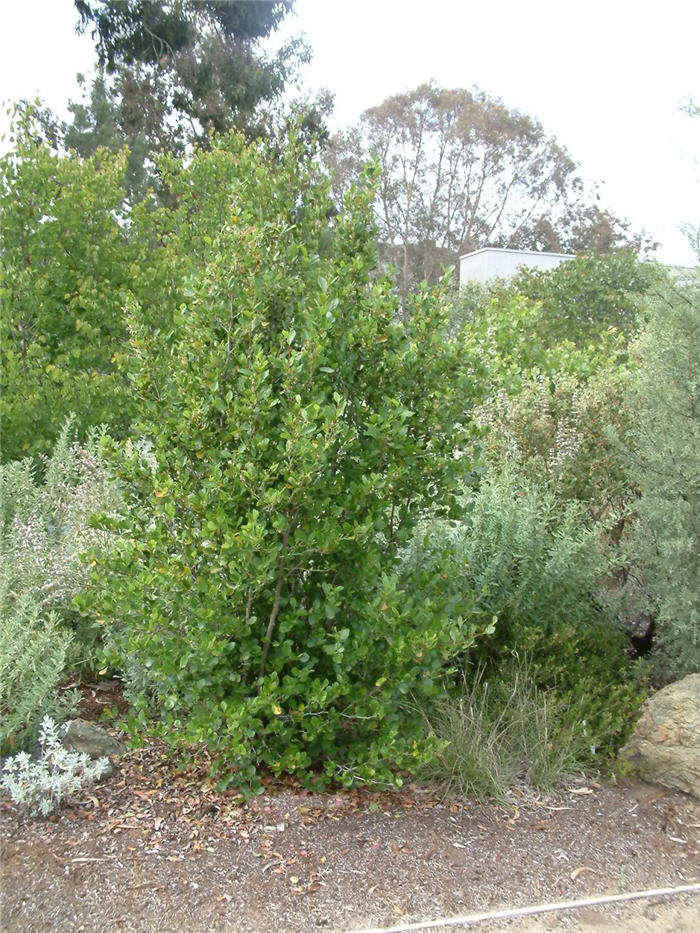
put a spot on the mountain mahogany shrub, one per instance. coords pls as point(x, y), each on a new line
point(665, 457)
point(297, 431)
point(534, 567)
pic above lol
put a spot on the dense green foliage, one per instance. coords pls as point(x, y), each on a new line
point(539, 547)
point(73, 256)
point(328, 514)
point(552, 324)
point(293, 432)
point(582, 298)
point(64, 265)
point(554, 348)
point(665, 401)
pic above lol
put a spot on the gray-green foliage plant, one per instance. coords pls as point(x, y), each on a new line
point(45, 518)
point(39, 785)
point(45, 529)
point(529, 559)
point(665, 458)
point(298, 430)
point(565, 432)
point(34, 653)
point(535, 565)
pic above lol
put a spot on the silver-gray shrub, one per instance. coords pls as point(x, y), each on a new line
point(537, 566)
point(39, 785)
point(34, 652)
point(45, 529)
point(665, 400)
point(523, 555)
point(45, 520)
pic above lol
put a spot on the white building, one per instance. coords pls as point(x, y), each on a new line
point(493, 263)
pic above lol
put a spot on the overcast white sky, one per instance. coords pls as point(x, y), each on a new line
point(606, 78)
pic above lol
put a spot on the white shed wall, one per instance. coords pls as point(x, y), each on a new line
point(490, 263)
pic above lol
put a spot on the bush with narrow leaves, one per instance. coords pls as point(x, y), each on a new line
point(45, 529)
point(34, 652)
point(45, 518)
point(665, 458)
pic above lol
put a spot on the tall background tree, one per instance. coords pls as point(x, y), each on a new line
point(204, 59)
point(459, 171)
point(170, 73)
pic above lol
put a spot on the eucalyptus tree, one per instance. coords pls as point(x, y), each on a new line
point(460, 170)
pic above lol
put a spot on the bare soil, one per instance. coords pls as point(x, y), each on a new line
point(151, 849)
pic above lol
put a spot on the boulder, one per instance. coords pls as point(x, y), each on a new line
point(665, 746)
point(77, 735)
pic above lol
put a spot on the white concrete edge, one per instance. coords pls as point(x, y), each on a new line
point(536, 909)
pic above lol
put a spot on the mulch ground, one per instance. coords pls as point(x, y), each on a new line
point(151, 849)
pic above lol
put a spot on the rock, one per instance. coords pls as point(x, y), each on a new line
point(665, 746)
point(81, 736)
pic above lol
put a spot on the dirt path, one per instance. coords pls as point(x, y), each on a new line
point(150, 851)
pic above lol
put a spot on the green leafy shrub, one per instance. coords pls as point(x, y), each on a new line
point(498, 731)
point(535, 566)
point(543, 337)
point(65, 254)
point(297, 430)
point(582, 299)
point(573, 321)
point(503, 333)
point(665, 458)
point(40, 786)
